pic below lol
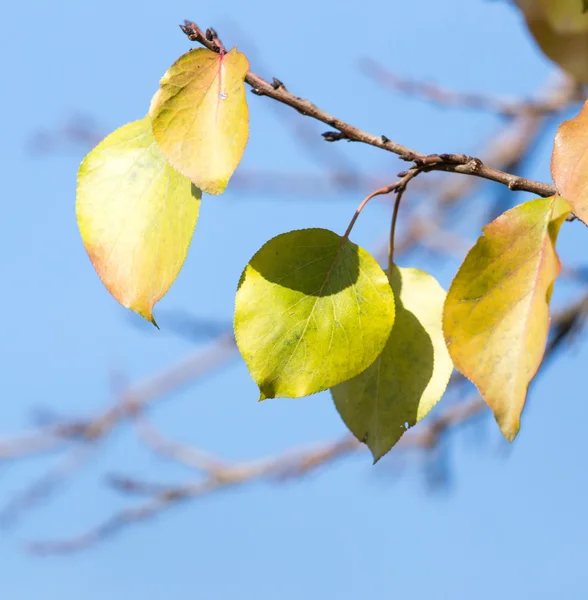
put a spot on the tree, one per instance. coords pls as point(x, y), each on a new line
point(384, 342)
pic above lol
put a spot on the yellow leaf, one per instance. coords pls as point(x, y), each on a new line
point(496, 316)
point(410, 375)
point(136, 215)
point(560, 28)
point(200, 116)
point(564, 16)
point(569, 162)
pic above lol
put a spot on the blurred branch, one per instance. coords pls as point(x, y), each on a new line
point(184, 454)
point(442, 96)
point(131, 402)
point(274, 470)
point(218, 475)
point(76, 134)
point(65, 468)
point(77, 130)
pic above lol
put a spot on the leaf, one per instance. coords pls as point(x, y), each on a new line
point(569, 162)
point(200, 116)
point(136, 215)
point(410, 375)
point(560, 28)
point(496, 316)
point(312, 310)
point(564, 16)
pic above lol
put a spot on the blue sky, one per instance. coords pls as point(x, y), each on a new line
point(513, 523)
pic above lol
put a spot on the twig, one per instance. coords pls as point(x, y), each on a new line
point(342, 173)
point(453, 163)
point(507, 149)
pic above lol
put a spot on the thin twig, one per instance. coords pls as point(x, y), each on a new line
point(506, 150)
point(453, 163)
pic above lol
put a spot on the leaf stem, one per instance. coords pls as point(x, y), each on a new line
point(382, 191)
point(400, 188)
point(393, 229)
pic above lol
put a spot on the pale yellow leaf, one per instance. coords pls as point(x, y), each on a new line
point(200, 116)
point(136, 215)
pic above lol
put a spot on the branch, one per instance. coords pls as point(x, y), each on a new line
point(452, 163)
point(276, 469)
point(131, 402)
point(442, 96)
point(507, 150)
point(221, 475)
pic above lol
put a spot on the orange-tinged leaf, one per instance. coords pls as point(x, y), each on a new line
point(569, 162)
point(496, 315)
point(200, 116)
point(136, 215)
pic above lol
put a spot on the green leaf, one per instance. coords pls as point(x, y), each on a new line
point(200, 116)
point(312, 310)
point(136, 215)
point(569, 162)
point(496, 316)
point(410, 375)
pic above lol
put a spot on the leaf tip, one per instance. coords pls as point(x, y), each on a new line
point(214, 188)
point(146, 313)
point(510, 434)
point(374, 448)
point(376, 458)
point(510, 428)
